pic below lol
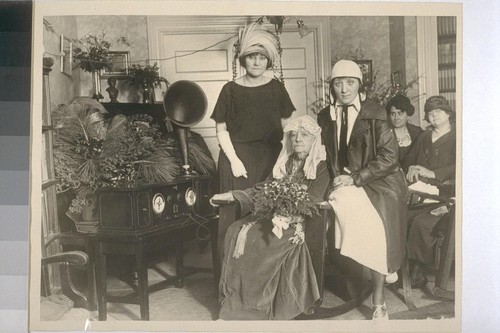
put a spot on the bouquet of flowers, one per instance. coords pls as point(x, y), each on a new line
point(92, 53)
point(285, 202)
point(146, 76)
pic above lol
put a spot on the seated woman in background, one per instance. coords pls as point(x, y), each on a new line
point(431, 160)
point(399, 109)
point(273, 278)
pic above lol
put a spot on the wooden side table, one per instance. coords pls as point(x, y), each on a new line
point(147, 248)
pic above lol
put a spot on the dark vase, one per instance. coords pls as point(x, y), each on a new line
point(148, 94)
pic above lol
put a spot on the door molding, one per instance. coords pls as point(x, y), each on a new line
point(428, 84)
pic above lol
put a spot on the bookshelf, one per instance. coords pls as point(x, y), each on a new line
point(447, 51)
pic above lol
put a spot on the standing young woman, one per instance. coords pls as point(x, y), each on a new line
point(249, 114)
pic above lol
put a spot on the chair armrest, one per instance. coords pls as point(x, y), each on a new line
point(421, 196)
point(324, 205)
point(224, 202)
point(65, 259)
point(78, 258)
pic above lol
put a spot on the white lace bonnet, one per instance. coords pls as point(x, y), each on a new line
point(316, 155)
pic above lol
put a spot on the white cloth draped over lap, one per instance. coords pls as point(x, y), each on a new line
point(359, 230)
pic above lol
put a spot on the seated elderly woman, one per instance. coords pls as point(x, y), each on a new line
point(267, 277)
point(399, 109)
point(431, 160)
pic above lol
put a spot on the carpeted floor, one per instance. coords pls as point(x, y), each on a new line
point(197, 299)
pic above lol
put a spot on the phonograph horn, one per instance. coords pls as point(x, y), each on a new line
point(185, 105)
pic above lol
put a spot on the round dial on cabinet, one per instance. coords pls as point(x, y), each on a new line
point(190, 197)
point(158, 203)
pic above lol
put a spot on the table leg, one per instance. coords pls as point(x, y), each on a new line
point(142, 274)
point(101, 284)
point(91, 280)
point(179, 265)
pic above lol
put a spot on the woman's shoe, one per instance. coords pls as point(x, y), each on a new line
point(380, 312)
point(391, 278)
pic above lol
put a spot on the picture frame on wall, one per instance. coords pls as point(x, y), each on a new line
point(366, 69)
point(396, 79)
point(119, 62)
point(66, 55)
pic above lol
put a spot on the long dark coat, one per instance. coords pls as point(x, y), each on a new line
point(373, 161)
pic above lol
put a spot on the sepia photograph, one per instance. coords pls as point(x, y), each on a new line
point(210, 166)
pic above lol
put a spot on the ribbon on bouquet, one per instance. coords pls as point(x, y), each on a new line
point(239, 247)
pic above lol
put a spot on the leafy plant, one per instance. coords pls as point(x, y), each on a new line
point(91, 152)
point(92, 53)
point(146, 76)
point(383, 92)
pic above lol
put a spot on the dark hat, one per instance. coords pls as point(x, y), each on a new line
point(437, 102)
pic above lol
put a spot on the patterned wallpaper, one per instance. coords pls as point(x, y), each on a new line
point(370, 34)
point(134, 29)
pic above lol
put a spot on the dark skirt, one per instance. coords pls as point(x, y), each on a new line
point(272, 280)
point(258, 158)
point(421, 240)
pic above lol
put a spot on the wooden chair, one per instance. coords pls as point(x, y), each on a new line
point(65, 260)
point(316, 239)
point(445, 245)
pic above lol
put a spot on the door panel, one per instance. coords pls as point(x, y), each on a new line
point(210, 69)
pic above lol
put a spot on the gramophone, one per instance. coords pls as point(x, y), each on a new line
point(185, 105)
point(147, 208)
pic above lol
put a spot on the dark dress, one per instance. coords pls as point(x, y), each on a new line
point(414, 132)
point(274, 278)
point(438, 156)
point(253, 118)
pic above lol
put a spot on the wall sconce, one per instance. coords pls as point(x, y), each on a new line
point(303, 29)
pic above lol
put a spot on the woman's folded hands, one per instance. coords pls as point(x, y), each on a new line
point(416, 171)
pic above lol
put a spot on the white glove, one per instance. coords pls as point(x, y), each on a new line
point(237, 166)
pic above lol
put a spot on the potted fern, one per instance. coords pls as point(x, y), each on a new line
point(146, 78)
